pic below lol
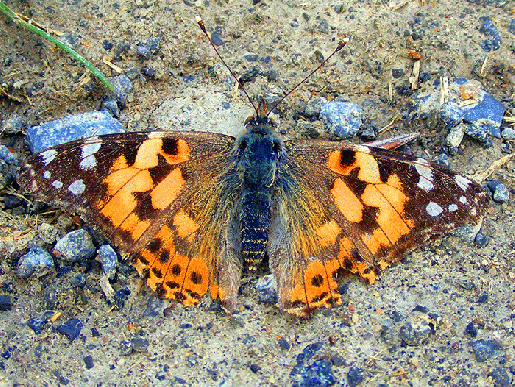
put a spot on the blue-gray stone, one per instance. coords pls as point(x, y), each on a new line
point(479, 133)
point(355, 376)
point(108, 259)
point(486, 349)
point(511, 26)
point(267, 289)
point(319, 373)
point(481, 240)
point(415, 334)
point(451, 114)
point(71, 329)
point(71, 128)
point(508, 133)
point(342, 119)
point(37, 261)
point(500, 377)
point(283, 344)
point(125, 348)
point(7, 156)
point(489, 29)
point(75, 246)
point(154, 44)
point(500, 192)
point(251, 57)
point(139, 344)
point(443, 159)
point(314, 106)
point(471, 330)
point(6, 302)
point(36, 324)
point(307, 353)
point(14, 125)
point(88, 361)
point(143, 52)
point(122, 88)
point(488, 113)
point(217, 39)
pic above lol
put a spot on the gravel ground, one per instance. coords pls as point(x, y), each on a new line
point(443, 316)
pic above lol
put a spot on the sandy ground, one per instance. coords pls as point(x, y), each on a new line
point(259, 345)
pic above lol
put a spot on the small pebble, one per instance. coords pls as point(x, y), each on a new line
point(500, 377)
point(36, 324)
point(6, 302)
point(508, 133)
point(481, 240)
point(75, 246)
point(143, 52)
point(70, 39)
point(88, 361)
point(451, 114)
point(471, 330)
point(500, 192)
point(415, 334)
point(317, 374)
point(254, 368)
point(13, 126)
point(355, 376)
point(71, 329)
point(342, 119)
point(314, 106)
point(122, 88)
point(139, 345)
point(486, 349)
point(490, 31)
point(217, 39)
point(71, 128)
point(283, 344)
point(37, 261)
point(109, 260)
point(120, 297)
point(125, 348)
point(267, 289)
point(443, 160)
point(251, 57)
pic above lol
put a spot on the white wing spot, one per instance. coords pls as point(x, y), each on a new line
point(77, 187)
point(90, 149)
point(453, 207)
point(463, 200)
point(88, 162)
point(47, 174)
point(473, 211)
point(426, 175)
point(433, 209)
point(47, 156)
point(57, 184)
point(462, 182)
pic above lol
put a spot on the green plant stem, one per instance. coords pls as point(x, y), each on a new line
point(14, 17)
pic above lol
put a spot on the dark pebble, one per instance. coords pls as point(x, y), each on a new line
point(283, 344)
point(500, 377)
point(471, 329)
point(489, 30)
point(500, 192)
point(443, 160)
point(95, 332)
point(107, 45)
point(395, 316)
point(481, 240)
point(355, 376)
point(11, 201)
point(36, 324)
point(120, 297)
point(483, 298)
point(217, 39)
point(317, 374)
point(254, 368)
point(251, 57)
point(486, 349)
point(37, 261)
point(155, 307)
point(143, 52)
point(153, 44)
point(88, 360)
point(125, 348)
point(71, 329)
point(149, 72)
point(75, 246)
point(121, 49)
point(397, 73)
point(122, 88)
point(6, 302)
point(108, 259)
point(139, 345)
point(71, 128)
point(415, 334)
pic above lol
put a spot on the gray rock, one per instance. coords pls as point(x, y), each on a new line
point(108, 259)
point(508, 133)
point(415, 333)
point(37, 261)
point(455, 136)
point(75, 246)
point(314, 106)
point(71, 128)
point(267, 289)
point(486, 349)
point(342, 119)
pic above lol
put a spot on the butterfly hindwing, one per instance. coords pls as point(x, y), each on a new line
point(159, 196)
point(348, 208)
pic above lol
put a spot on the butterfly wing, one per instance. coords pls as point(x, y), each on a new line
point(347, 208)
point(163, 197)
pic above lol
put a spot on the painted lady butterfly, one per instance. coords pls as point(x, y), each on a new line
point(198, 210)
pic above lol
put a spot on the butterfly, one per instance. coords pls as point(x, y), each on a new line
point(197, 211)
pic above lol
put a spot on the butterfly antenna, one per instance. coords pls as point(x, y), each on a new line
point(342, 44)
point(200, 22)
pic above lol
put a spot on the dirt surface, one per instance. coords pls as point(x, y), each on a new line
point(451, 283)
